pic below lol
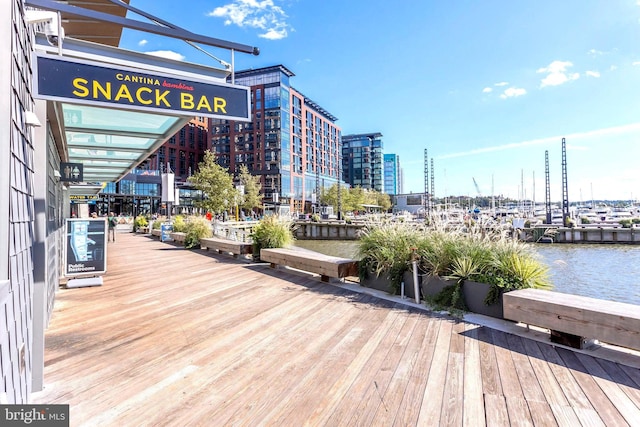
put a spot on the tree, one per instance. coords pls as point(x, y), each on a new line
point(252, 197)
point(215, 183)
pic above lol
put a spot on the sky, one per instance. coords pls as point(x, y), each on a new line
point(486, 87)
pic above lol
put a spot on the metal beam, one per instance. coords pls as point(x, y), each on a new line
point(176, 33)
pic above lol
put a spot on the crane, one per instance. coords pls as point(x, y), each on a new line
point(477, 187)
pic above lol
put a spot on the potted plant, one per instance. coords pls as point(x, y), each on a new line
point(385, 254)
point(470, 269)
point(196, 228)
point(141, 224)
point(272, 231)
point(178, 233)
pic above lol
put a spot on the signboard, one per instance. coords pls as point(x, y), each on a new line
point(85, 248)
point(77, 198)
point(165, 229)
point(84, 82)
point(71, 172)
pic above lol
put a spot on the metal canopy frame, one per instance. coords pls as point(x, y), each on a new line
point(168, 30)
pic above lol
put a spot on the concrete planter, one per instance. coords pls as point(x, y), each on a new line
point(474, 294)
point(383, 283)
point(380, 282)
point(178, 237)
point(433, 285)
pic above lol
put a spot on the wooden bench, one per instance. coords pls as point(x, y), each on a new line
point(573, 319)
point(324, 265)
point(228, 246)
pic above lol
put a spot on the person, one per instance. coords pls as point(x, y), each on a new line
point(112, 221)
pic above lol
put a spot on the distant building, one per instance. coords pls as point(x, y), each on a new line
point(292, 144)
point(140, 191)
point(362, 161)
point(183, 151)
point(413, 203)
point(392, 174)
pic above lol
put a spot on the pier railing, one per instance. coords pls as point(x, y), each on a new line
point(239, 231)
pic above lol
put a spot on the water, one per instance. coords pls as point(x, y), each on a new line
point(610, 272)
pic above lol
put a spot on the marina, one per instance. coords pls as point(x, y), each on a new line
point(207, 338)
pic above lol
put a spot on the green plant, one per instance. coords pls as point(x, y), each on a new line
point(196, 228)
point(157, 224)
point(387, 249)
point(179, 224)
point(625, 223)
point(272, 231)
point(140, 221)
point(315, 218)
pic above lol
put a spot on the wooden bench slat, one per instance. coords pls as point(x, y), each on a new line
point(608, 321)
point(313, 262)
point(222, 245)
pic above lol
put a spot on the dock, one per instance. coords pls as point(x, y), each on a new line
point(178, 337)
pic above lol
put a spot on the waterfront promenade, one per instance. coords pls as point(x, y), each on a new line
point(188, 338)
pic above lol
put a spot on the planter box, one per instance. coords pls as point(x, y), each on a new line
point(474, 294)
point(156, 232)
point(178, 237)
point(383, 283)
point(433, 285)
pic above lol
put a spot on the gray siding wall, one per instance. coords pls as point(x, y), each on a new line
point(16, 193)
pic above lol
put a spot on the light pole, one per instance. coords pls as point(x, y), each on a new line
point(339, 193)
point(239, 198)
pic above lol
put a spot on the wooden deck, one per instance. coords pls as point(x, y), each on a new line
point(188, 338)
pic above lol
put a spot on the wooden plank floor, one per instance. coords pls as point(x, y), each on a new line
point(189, 338)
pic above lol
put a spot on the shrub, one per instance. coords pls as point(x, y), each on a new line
point(140, 221)
point(157, 224)
point(196, 228)
point(315, 218)
point(272, 231)
point(460, 253)
point(179, 224)
point(625, 223)
point(387, 248)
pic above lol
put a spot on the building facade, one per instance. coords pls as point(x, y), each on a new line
point(362, 159)
point(392, 174)
point(140, 192)
point(292, 143)
point(56, 146)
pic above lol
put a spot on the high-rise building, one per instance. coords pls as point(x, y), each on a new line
point(292, 143)
point(183, 151)
point(392, 175)
point(362, 160)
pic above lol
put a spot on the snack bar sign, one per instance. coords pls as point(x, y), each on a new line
point(83, 82)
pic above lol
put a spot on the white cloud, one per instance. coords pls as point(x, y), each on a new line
point(557, 73)
point(599, 133)
point(595, 52)
point(167, 54)
point(261, 14)
point(501, 84)
point(636, 63)
point(142, 42)
point(487, 90)
point(513, 92)
point(595, 74)
point(613, 68)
